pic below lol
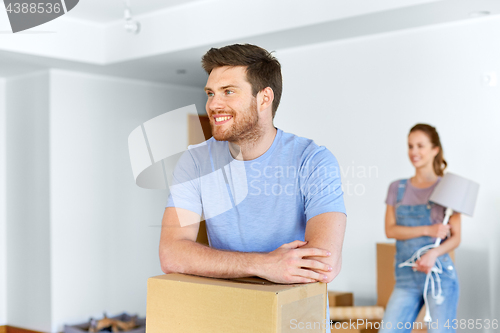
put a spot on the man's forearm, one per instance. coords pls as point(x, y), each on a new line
point(326, 231)
point(189, 257)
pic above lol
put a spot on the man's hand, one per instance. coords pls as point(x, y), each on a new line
point(286, 264)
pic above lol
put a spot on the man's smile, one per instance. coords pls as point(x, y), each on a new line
point(222, 119)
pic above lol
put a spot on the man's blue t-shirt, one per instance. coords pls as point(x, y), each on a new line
point(261, 204)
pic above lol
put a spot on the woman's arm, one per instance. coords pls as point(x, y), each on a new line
point(392, 230)
point(426, 262)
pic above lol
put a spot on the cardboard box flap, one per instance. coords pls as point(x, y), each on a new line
point(255, 283)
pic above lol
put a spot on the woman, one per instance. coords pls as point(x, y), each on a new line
point(415, 222)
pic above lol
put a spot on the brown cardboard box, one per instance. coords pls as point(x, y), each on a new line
point(356, 326)
point(385, 272)
point(186, 303)
point(195, 137)
point(338, 298)
point(339, 313)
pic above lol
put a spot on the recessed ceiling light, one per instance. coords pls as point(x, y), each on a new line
point(479, 13)
point(131, 25)
point(181, 71)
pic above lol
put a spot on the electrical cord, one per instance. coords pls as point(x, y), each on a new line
point(436, 269)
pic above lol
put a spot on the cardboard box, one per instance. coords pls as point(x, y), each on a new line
point(194, 134)
point(385, 272)
point(186, 303)
point(339, 313)
point(356, 326)
point(195, 137)
point(337, 298)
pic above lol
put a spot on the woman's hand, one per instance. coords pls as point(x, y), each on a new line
point(427, 261)
point(439, 230)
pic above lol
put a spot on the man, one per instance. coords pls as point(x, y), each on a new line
point(272, 201)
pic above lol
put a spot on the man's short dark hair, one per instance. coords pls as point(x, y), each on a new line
point(263, 69)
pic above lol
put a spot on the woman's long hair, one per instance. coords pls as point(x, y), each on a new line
point(439, 162)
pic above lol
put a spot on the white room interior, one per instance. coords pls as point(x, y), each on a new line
point(79, 238)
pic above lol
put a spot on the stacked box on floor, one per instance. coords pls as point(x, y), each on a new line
point(347, 318)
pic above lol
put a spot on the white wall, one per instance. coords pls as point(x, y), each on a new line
point(105, 229)
point(28, 198)
point(82, 238)
point(360, 97)
point(3, 204)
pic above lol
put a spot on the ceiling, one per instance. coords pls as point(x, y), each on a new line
point(164, 66)
point(105, 11)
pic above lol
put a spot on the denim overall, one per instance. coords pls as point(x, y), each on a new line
point(407, 298)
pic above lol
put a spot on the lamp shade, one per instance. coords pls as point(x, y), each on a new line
point(457, 193)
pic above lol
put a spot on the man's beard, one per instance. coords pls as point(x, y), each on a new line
point(245, 128)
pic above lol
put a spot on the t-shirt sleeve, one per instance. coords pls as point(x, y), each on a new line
point(392, 193)
point(320, 184)
point(185, 185)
